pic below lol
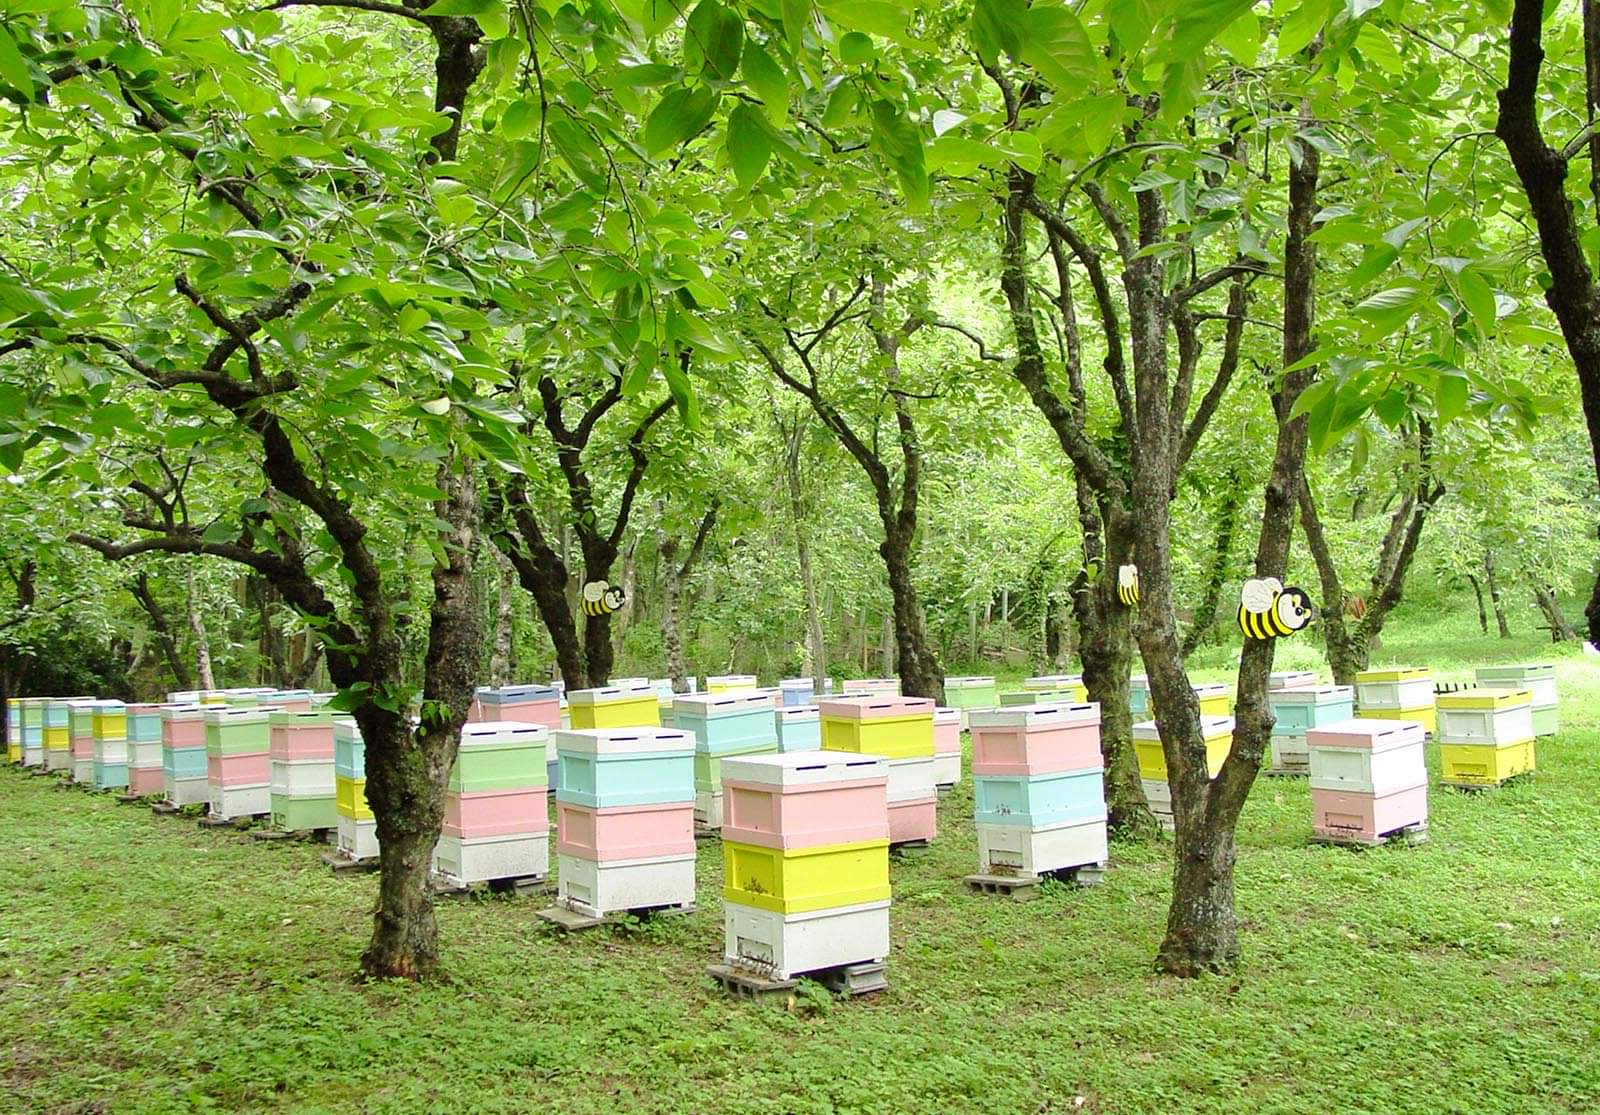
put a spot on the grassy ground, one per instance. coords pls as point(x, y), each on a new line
point(148, 965)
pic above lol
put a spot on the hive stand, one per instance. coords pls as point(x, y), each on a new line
point(848, 980)
point(1297, 770)
point(1406, 834)
point(167, 809)
point(342, 864)
point(242, 821)
point(703, 831)
point(132, 799)
point(910, 849)
point(315, 836)
point(1024, 886)
point(519, 885)
point(569, 920)
point(1475, 787)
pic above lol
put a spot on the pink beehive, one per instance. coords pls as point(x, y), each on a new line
point(250, 769)
point(875, 707)
point(625, 832)
point(182, 734)
point(806, 802)
point(1368, 778)
point(1367, 816)
point(484, 813)
point(1036, 739)
point(947, 731)
point(310, 741)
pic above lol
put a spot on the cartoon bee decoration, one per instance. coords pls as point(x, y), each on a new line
point(601, 599)
point(1267, 610)
point(1128, 585)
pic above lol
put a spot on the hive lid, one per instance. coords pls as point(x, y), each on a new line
point(507, 694)
point(189, 711)
point(611, 694)
point(943, 715)
point(1210, 689)
point(1054, 681)
point(748, 680)
point(1521, 672)
point(875, 708)
point(1048, 714)
point(1313, 695)
point(1212, 727)
point(1496, 699)
point(1367, 733)
point(709, 706)
point(1396, 673)
point(969, 683)
point(796, 683)
point(236, 714)
point(500, 733)
point(801, 713)
point(805, 768)
point(624, 741)
point(290, 718)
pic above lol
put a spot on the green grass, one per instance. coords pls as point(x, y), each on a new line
point(149, 965)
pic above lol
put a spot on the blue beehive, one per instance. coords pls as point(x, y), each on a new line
point(724, 723)
point(110, 776)
point(183, 764)
point(1299, 710)
point(1139, 696)
point(798, 692)
point(799, 728)
point(349, 752)
point(1041, 800)
point(144, 724)
point(604, 767)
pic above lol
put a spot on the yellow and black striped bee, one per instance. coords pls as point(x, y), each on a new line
point(1128, 585)
point(601, 599)
point(1267, 610)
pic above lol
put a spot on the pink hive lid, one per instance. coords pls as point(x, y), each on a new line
point(875, 708)
point(805, 768)
point(1054, 714)
point(1370, 735)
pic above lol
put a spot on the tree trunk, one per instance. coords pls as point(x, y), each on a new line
point(1205, 616)
point(1561, 629)
point(597, 653)
point(630, 585)
point(1494, 595)
point(501, 665)
point(1571, 294)
point(407, 771)
point(1202, 926)
point(165, 636)
point(1483, 616)
point(197, 626)
point(920, 673)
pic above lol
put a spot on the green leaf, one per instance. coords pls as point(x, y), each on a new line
point(796, 18)
point(1378, 48)
point(1450, 396)
point(13, 67)
point(1301, 27)
point(768, 82)
point(680, 115)
point(997, 27)
point(872, 16)
point(1242, 38)
point(437, 407)
point(521, 119)
point(841, 104)
point(1196, 22)
point(856, 49)
point(1479, 299)
point(1055, 43)
point(901, 143)
point(748, 145)
point(712, 40)
point(1131, 22)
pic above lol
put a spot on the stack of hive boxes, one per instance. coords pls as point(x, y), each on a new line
point(1038, 788)
point(80, 715)
point(14, 730)
point(110, 764)
point(1540, 680)
point(300, 750)
point(625, 819)
point(665, 695)
point(968, 693)
point(1368, 779)
point(946, 747)
point(1297, 711)
point(871, 687)
point(31, 716)
point(799, 728)
point(358, 832)
point(496, 806)
point(521, 704)
point(1059, 684)
point(805, 852)
point(1397, 693)
point(730, 683)
point(797, 691)
point(146, 777)
point(1218, 733)
point(1485, 736)
point(624, 705)
point(723, 724)
point(57, 734)
point(1215, 699)
point(183, 755)
point(900, 729)
point(238, 760)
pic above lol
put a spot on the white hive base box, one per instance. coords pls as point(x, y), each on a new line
point(228, 802)
point(358, 839)
point(598, 888)
point(947, 769)
point(482, 859)
point(786, 945)
point(1036, 851)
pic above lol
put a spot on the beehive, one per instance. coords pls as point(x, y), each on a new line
point(1218, 734)
point(614, 706)
point(894, 727)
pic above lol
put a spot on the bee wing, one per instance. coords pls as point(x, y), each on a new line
point(594, 590)
point(1257, 594)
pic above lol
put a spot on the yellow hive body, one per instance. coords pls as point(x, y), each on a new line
point(804, 879)
point(1471, 764)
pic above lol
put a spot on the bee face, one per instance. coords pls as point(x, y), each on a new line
point(615, 598)
point(1294, 609)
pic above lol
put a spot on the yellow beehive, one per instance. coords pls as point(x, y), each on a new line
point(632, 706)
point(1472, 764)
point(1153, 761)
point(894, 727)
point(1215, 700)
point(1426, 715)
point(350, 798)
point(800, 880)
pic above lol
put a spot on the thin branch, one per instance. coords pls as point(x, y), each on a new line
point(358, 5)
